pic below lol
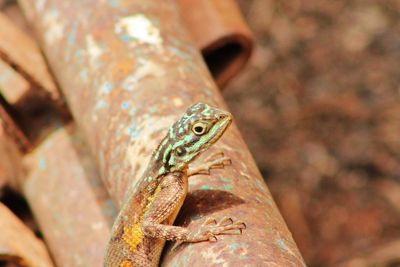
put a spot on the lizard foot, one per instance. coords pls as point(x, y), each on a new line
point(214, 161)
point(211, 229)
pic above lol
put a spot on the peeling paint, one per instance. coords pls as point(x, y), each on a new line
point(205, 187)
point(55, 27)
point(281, 244)
point(106, 88)
point(180, 53)
point(83, 74)
point(71, 35)
point(40, 4)
point(125, 105)
point(146, 68)
point(214, 257)
point(42, 164)
point(261, 185)
point(94, 51)
point(140, 28)
point(113, 3)
point(100, 104)
point(98, 226)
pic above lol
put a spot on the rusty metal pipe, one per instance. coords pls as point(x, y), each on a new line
point(128, 69)
point(10, 157)
point(69, 202)
point(219, 31)
point(18, 244)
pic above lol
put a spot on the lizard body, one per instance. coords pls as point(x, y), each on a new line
point(145, 220)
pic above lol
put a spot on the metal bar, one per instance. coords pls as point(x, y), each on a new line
point(18, 244)
point(10, 127)
point(10, 159)
point(219, 31)
point(128, 69)
point(19, 49)
point(12, 85)
point(69, 201)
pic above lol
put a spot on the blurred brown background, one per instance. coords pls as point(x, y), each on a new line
point(319, 108)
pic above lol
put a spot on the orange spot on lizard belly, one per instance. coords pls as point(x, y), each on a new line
point(133, 234)
point(126, 263)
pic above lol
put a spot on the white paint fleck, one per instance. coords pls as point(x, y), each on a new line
point(55, 28)
point(140, 28)
point(213, 257)
point(40, 5)
point(146, 68)
point(177, 101)
point(97, 225)
point(93, 49)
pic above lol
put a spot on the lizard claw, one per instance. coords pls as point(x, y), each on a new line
point(209, 221)
point(210, 229)
point(225, 221)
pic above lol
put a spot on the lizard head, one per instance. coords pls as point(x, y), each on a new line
point(199, 128)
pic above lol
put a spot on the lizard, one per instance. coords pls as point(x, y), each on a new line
point(145, 220)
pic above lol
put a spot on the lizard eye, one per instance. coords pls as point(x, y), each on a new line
point(199, 128)
point(180, 151)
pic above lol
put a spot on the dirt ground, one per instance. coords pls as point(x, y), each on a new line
point(319, 106)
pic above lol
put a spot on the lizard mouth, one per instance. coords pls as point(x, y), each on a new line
point(220, 127)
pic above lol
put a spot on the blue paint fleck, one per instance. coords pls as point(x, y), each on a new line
point(78, 56)
point(152, 110)
point(109, 208)
point(71, 38)
point(281, 244)
point(126, 38)
point(125, 105)
point(106, 88)
point(42, 164)
point(129, 82)
point(234, 245)
point(83, 74)
point(175, 262)
point(260, 185)
point(227, 187)
point(71, 35)
point(184, 259)
point(133, 131)
point(101, 104)
point(225, 179)
point(179, 53)
point(207, 91)
point(113, 3)
point(133, 111)
point(205, 187)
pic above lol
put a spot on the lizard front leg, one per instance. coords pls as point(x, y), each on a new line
point(214, 161)
point(165, 208)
